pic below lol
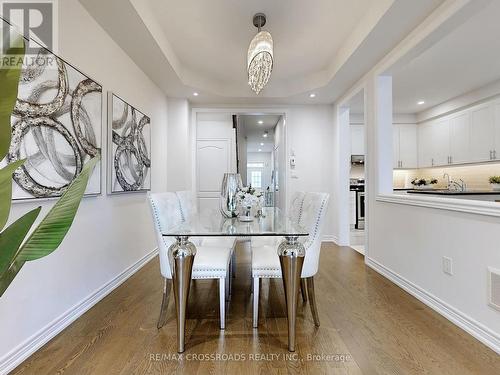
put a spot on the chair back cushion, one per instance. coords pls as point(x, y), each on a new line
point(296, 203)
point(312, 217)
point(187, 201)
point(166, 212)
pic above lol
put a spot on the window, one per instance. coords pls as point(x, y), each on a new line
point(255, 165)
point(256, 179)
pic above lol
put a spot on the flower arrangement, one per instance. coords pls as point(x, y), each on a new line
point(495, 182)
point(421, 182)
point(249, 197)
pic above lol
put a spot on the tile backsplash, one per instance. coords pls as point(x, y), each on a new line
point(475, 175)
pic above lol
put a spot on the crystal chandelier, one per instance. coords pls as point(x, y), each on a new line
point(260, 56)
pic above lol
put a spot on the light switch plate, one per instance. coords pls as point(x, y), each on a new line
point(448, 265)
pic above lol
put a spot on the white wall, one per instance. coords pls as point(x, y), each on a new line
point(178, 176)
point(110, 233)
point(406, 243)
point(310, 137)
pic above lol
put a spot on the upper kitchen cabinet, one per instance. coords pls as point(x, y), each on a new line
point(434, 143)
point(471, 135)
point(496, 112)
point(424, 134)
point(405, 146)
point(460, 140)
point(482, 133)
point(357, 139)
point(440, 143)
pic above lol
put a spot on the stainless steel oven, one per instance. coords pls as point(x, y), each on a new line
point(360, 210)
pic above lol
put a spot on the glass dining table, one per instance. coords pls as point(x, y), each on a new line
point(211, 223)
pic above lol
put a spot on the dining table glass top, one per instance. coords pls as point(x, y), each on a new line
point(211, 223)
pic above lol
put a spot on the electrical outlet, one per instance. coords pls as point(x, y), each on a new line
point(448, 265)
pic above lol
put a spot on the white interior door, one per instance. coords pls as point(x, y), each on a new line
point(213, 159)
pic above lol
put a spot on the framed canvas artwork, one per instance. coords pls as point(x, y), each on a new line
point(56, 127)
point(129, 147)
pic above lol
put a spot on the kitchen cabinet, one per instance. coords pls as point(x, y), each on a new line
point(471, 135)
point(396, 161)
point(434, 143)
point(482, 128)
point(468, 136)
point(408, 146)
point(405, 145)
point(460, 139)
point(357, 139)
point(424, 145)
point(440, 143)
point(496, 113)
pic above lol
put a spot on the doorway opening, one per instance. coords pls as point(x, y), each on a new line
point(353, 118)
point(260, 154)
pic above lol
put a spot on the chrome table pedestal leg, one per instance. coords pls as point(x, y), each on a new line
point(164, 303)
point(291, 253)
point(181, 256)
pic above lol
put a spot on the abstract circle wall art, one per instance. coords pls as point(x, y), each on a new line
point(130, 147)
point(56, 127)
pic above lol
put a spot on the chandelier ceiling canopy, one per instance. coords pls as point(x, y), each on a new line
point(260, 56)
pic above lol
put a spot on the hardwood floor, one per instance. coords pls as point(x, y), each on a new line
point(368, 326)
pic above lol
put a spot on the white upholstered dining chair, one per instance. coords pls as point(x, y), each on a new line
point(211, 260)
point(294, 210)
point(308, 210)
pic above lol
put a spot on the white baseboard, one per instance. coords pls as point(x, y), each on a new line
point(20, 353)
point(471, 326)
point(329, 238)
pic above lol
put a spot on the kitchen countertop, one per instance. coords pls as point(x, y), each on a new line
point(451, 192)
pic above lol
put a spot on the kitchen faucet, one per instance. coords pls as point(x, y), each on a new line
point(447, 176)
point(454, 185)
